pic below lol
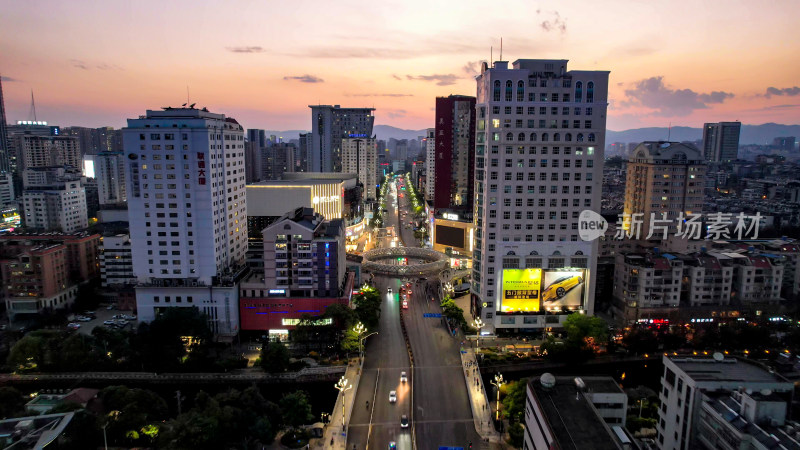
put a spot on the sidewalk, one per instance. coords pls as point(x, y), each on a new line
point(333, 430)
point(481, 407)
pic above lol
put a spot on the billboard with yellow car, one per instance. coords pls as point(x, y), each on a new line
point(530, 290)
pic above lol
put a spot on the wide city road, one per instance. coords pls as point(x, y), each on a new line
point(378, 424)
point(442, 412)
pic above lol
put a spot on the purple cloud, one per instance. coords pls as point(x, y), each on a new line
point(304, 79)
point(654, 94)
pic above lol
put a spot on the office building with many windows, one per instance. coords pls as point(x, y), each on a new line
point(540, 134)
point(721, 141)
point(331, 124)
point(360, 157)
point(188, 212)
point(454, 152)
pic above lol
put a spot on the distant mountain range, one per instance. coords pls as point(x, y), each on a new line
point(751, 134)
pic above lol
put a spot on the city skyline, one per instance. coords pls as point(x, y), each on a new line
point(264, 64)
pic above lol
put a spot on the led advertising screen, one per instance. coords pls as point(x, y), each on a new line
point(563, 288)
point(450, 236)
point(521, 288)
point(533, 289)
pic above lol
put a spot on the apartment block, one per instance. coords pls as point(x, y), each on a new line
point(359, 156)
point(576, 413)
point(44, 270)
point(686, 386)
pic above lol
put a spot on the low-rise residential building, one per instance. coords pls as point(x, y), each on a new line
point(43, 271)
point(304, 271)
point(722, 281)
point(738, 419)
point(576, 413)
point(686, 385)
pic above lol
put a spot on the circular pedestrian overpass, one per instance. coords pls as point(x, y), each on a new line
point(378, 261)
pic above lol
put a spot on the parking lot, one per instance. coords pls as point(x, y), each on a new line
point(104, 314)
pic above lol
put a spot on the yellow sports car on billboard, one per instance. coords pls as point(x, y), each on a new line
point(560, 286)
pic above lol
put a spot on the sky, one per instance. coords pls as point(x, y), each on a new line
point(264, 61)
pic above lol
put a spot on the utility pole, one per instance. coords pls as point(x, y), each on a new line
point(178, 397)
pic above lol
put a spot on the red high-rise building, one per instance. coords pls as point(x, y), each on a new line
point(455, 152)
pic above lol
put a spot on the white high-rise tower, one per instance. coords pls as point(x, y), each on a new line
point(185, 179)
point(540, 134)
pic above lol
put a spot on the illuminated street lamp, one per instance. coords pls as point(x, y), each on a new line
point(342, 386)
point(478, 323)
point(498, 381)
point(361, 343)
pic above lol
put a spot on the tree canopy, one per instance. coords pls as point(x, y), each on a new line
point(274, 357)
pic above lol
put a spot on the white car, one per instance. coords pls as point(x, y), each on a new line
point(403, 377)
point(392, 396)
point(389, 290)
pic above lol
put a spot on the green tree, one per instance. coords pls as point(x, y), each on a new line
point(296, 409)
point(368, 307)
point(514, 400)
point(516, 435)
point(28, 353)
point(453, 312)
point(159, 345)
point(640, 340)
point(274, 357)
point(586, 331)
point(76, 353)
point(343, 316)
point(12, 402)
point(132, 410)
point(350, 341)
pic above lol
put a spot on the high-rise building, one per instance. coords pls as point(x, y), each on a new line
point(45, 151)
point(278, 159)
point(359, 157)
point(5, 165)
point(721, 141)
point(188, 213)
point(430, 163)
point(116, 262)
point(540, 135)
point(664, 181)
point(455, 158)
point(254, 155)
point(302, 157)
point(110, 175)
point(331, 124)
point(54, 201)
point(259, 137)
point(7, 193)
point(781, 143)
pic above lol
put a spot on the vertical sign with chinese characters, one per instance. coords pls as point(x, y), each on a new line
point(201, 168)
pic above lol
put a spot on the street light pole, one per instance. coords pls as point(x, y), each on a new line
point(342, 386)
point(478, 324)
point(359, 329)
point(498, 381)
point(362, 341)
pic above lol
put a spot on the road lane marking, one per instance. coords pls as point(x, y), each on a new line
point(372, 411)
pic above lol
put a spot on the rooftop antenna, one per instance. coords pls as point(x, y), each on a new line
point(501, 49)
point(33, 107)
